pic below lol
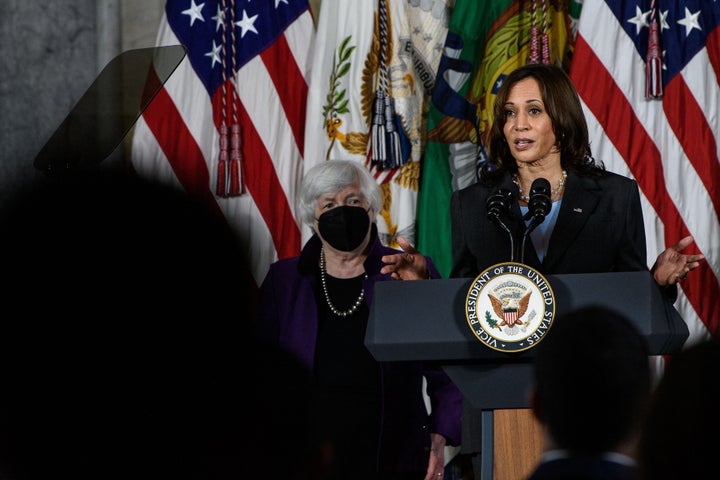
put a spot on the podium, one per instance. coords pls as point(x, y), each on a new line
point(426, 321)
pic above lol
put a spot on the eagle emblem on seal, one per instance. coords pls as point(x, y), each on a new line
point(510, 310)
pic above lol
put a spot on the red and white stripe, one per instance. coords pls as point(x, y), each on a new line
point(176, 140)
point(669, 146)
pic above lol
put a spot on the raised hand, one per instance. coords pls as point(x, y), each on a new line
point(409, 265)
point(672, 266)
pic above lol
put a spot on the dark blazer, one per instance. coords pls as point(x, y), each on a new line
point(599, 229)
point(289, 317)
point(583, 469)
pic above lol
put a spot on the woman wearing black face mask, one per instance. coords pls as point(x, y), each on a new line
point(316, 306)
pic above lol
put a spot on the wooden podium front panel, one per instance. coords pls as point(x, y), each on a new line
point(517, 438)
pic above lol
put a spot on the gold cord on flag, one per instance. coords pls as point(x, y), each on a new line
point(221, 182)
point(384, 138)
point(229, 175)
point(237, 186)
point(653, 58)
point(539, 40)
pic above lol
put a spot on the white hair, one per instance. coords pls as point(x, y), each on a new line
point(331, 176)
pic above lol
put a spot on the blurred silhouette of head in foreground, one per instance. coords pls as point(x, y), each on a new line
point(125, 346)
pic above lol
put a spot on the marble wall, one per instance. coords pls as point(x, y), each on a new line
point(50, 53)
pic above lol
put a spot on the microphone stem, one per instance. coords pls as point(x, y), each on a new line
point(522, 247)
point(502, 225)
point(534, 222)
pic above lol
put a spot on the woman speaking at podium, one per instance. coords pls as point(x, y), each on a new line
point(595, 223)
point(589, 220)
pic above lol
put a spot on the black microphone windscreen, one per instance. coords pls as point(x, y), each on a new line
point(540, 186)
point(540, 198)
point(498, 203)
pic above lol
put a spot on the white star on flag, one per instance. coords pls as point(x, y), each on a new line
point(246, 24)
point(194, 12)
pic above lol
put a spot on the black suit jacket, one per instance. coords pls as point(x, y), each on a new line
point(583, 469)
point(599, 229)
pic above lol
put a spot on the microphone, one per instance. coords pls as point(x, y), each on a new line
point(498, 204)
point(540, 203)
point(539, 206)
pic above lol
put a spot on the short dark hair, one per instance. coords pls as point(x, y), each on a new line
point(100, 244)
point(676, 441)
point(126, 348)
point(593, 380)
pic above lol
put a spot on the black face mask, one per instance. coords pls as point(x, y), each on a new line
point(344, 227)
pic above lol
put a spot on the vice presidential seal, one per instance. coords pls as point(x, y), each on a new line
point(510, 307)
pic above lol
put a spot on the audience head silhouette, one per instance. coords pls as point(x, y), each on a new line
point(125, 349)
point(113, 244)
point(592, 382)
point(680, 436)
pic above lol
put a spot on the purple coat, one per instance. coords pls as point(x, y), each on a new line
point(289, 317)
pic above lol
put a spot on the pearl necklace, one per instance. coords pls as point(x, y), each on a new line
point(334, 310)
point(555, 191)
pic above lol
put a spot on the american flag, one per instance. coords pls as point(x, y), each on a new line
point(669, 144)
point(229, 124)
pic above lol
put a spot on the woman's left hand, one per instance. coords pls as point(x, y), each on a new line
point(672, 266)
point(436, 464)
point(409, 265)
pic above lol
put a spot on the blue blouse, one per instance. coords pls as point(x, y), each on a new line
point(541, 235)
